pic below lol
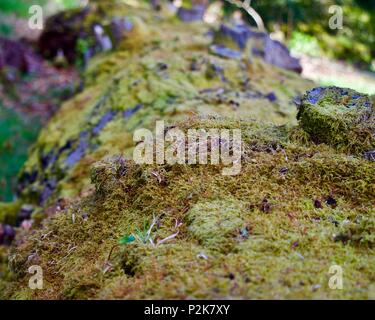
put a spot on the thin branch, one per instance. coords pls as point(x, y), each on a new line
point(246, 5)
point(172, 236)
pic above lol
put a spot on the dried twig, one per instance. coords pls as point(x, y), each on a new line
point(154, 221)
point(172, 236)
point(246, 5)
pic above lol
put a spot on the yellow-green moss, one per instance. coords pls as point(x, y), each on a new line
point(340, 117)
point(166, 76)
point(9, 211)
point(227, 244)
point(213, 223)
point(259, 234)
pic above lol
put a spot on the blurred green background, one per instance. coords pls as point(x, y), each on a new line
point(305, 25)
point(303, 22)
point(16, 134)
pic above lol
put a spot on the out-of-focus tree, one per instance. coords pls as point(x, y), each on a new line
point(307, 22)
point(310, 18)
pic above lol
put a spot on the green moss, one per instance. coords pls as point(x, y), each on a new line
point(340, 117)
point(9, 211)
point(164, 75)
point(214, 223)
point(228, 245)
point(361, 232)
point(259, 234)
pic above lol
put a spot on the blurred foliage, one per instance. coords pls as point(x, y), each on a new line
point(304, 43)
point(16, 135)
point(13, 11)
point(19, 7)
point(295, 18)
point(304, 20)
point(5, 29)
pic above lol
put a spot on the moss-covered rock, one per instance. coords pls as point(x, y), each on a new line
point(151, 75)
point(117, 229)
point(212, 235)
point(339, 117)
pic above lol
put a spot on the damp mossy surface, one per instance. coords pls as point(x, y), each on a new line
point(226, 243)
point(339, 117)
point(113, 229)
point(162, 70)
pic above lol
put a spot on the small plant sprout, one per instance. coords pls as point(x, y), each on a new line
point(142, 236)
point(126, 239)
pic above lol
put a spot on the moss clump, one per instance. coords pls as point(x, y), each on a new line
point(151, 75)
point(214, 223)
point(227, 242)
point(342, 118)
point(360, 232)
point(9, 211)
point(268, 232)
